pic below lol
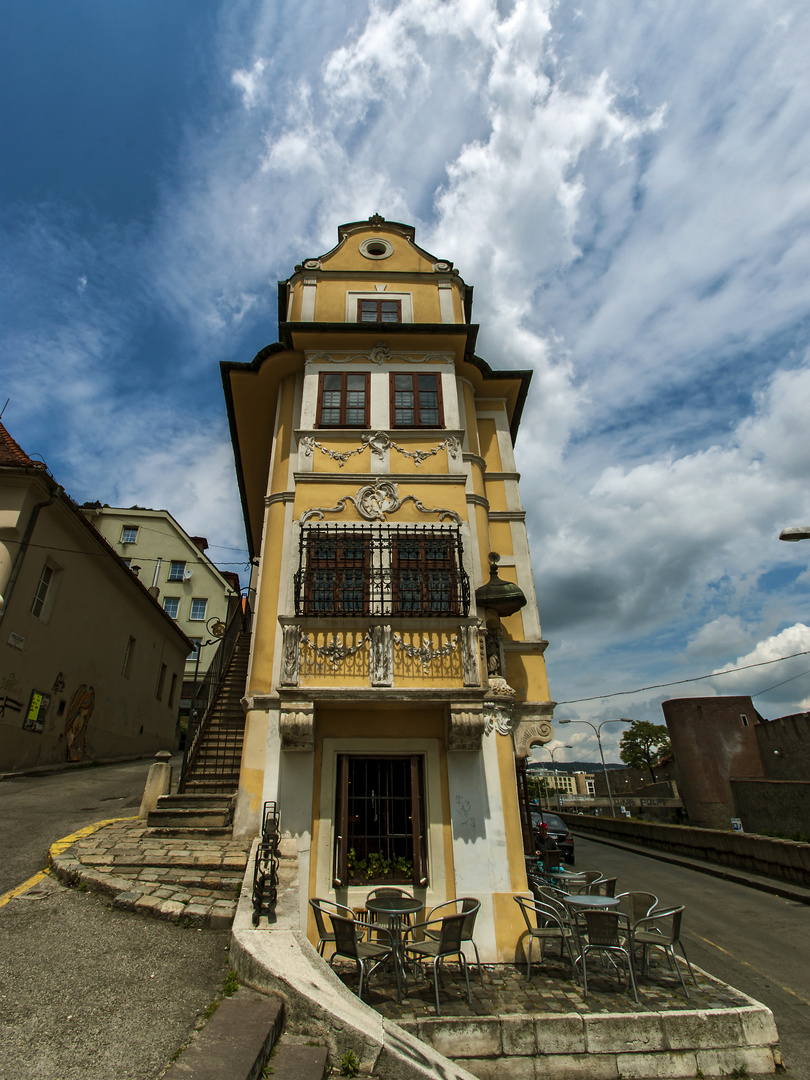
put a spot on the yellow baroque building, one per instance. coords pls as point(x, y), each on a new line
point(396, 679)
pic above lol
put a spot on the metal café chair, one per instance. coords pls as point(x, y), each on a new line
point(602, 887)
point(586, 879)
point(348, 944)
point(662, 930)
point(448, 943)
point(603, 934)
point(547, 922)
point(636, 905)
point(469, 907)
point(322, 909)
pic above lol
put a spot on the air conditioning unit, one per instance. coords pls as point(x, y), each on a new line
point(186, 575)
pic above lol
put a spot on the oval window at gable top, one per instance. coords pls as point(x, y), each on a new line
point(376, 248)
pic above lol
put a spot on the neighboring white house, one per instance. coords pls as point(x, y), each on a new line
point(175, 568)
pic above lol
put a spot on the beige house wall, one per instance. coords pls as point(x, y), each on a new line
point(73, 654)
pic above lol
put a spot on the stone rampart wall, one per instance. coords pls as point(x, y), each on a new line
point(787, 860)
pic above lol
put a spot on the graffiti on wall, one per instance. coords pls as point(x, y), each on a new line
point(78, 716)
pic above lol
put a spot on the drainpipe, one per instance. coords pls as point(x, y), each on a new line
point(157, 572)
point(26, 540)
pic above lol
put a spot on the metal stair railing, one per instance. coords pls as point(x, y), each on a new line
point(208, 690)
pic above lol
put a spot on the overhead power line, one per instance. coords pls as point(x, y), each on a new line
point(696, 678)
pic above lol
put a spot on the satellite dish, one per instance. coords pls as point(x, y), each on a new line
point(186, 575)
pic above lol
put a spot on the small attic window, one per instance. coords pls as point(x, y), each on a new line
point(376, 248)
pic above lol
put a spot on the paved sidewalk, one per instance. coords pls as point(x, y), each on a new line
point(192, 880)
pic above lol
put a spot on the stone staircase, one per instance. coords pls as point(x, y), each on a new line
point(205, 806)
point(215, 767)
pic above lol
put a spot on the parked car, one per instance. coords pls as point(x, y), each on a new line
point(558, 831)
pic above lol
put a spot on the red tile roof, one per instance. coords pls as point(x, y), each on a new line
point(12, 454)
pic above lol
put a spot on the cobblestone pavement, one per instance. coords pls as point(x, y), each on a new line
point(552, 989)
point(191, 879)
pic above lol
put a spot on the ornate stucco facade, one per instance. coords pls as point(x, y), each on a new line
point(385, 707)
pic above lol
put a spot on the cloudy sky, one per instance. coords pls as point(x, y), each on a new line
point(625, 182)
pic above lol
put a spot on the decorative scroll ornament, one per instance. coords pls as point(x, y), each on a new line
point(373, 501)
point(424, 653)
point(378, 443)
point(381, 354)
point(498, 706)
point(335, 652)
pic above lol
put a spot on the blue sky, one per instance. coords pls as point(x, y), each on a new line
point(627, 185)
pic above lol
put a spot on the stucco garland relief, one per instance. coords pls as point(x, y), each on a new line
point(379, 354)
point(378, 443)
point(335, 652)
point(373, 501)
point(424, 652)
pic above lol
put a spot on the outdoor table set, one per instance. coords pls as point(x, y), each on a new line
point(590, 919)
point(388, 941)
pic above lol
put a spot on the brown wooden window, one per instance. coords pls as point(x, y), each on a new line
point(342, 400)
point(416, 400)
point(375, 311)
point(336, 580)
point(380, 827)
point(425, 575)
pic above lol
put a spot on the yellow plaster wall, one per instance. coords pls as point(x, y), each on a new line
point(488, 439)
point(496, 495)
point(501, 536)
point(470, 418)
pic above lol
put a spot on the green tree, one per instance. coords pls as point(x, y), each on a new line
point(643, 744)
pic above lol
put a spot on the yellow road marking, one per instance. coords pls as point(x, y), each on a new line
point(745, 963)
point(56, 849)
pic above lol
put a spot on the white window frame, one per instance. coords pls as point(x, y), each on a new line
point(125, 530)
point(198, 600)
point(179, 575)
point(45, 592)
point(405, 299)
point(176, 601)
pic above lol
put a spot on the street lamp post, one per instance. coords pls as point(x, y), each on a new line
point(596, 730)
point(795, 532)
point(565, 746)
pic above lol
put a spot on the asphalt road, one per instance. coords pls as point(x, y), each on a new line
point(36, 810)
point(755, 941)
point(88, 993)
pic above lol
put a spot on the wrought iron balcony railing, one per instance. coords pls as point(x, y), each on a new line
point(381, 570)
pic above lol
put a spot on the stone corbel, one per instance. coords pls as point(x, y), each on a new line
point(532, 725)
point(465, 727)
point(297, 725)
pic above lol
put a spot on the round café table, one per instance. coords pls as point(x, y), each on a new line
point(583, 902)
point(395, 908)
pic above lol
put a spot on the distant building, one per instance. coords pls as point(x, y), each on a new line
point(179, 574)
point(733, 763)
point(90, 664)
